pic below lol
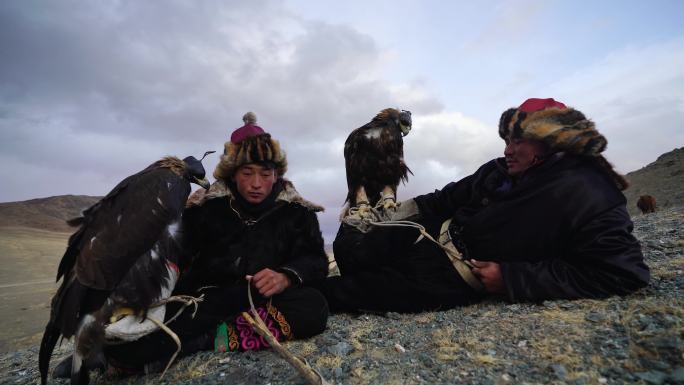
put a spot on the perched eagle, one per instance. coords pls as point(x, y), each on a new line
point(374, 159)
point(124, 255)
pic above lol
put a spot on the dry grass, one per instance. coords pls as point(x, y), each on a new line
point(359, 375)
point(641, 340)
point(446, 341)
point(29, 260)
point(359, 330)
point(192, 368)
point(328, 361)
point(557, 336)
point(670, 270)
point(424, 318)
point(490, 339)
point(303, 348)
point(558, 350)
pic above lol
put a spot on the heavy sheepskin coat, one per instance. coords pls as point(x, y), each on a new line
point(228, 244)
point(561, 231)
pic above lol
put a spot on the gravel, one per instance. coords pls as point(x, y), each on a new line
point(637, 339)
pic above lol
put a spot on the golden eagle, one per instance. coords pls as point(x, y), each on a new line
point(374, 159)
point(124, 255)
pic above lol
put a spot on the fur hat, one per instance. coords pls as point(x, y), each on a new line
point(561, 128)
point(250, 144)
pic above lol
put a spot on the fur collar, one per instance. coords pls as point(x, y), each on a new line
point(219, 189)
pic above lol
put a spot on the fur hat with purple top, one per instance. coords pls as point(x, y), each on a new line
point(250, 144)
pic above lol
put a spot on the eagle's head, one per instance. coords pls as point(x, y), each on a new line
point(404, 121)
point(194, 171)
point(400, 118)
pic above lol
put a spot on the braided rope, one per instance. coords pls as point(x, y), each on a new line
point(462, 266)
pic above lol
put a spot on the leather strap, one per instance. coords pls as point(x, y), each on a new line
point(461, 266)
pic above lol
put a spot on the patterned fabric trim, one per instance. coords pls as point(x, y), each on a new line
point(249, 339)
point(221, 340)
point(241, 336)
point(282, 322)
point(233, 343)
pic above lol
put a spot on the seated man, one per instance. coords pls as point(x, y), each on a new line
point(250, 228)
point(547, 221)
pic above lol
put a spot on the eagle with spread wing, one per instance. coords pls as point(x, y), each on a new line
point(374, 159)
point(122, 259)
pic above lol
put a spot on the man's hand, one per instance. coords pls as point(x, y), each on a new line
point(269, 282)
point(490, 275)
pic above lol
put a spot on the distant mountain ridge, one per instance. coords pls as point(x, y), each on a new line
point(45, 213)
point(663, 179)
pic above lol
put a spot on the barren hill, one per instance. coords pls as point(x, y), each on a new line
point(45, 213)
point(663, 179)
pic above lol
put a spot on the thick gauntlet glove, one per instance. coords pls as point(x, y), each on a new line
point(406, 211)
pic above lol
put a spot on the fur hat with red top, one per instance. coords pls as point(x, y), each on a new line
point(250, 144)
point(562, 128)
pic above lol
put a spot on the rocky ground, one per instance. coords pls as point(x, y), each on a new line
point(637, 339)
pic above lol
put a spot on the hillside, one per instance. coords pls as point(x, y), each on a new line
point(636, 339)
point(45, 213)
point(662, 179)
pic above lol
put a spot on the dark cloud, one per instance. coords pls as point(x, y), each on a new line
point(92, 92)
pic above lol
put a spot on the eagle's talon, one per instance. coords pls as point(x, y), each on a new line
point(360, 211)
point(363, 209)
point(389, 204)
point(358, 215)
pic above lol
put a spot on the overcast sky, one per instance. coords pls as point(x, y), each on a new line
point(93, 91)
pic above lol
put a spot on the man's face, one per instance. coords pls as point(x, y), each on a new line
point(254, 182)
point(522, 154)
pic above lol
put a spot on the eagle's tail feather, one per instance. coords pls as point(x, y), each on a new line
point(75, 222)
point(47, 345)
point(408, 171)
point(89, 341)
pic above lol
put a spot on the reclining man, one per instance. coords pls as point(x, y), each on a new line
point(546, 221)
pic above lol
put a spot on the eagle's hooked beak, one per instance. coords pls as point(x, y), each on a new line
point(404, 129)
point(204, 182)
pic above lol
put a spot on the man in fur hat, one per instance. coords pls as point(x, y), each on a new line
point(250, 228)
point(546, 221)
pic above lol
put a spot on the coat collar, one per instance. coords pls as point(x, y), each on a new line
point(220, 189)
point(548, 163)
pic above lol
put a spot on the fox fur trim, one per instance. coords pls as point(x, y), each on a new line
point(563, 129)
point(254, 149)
point(220, 189)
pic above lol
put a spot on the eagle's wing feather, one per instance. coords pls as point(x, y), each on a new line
point(126, 225)
point(374, 155)
point(88, 215)
point(143, 281)
point(358, 156)
point(351, 148)
point(111, 254)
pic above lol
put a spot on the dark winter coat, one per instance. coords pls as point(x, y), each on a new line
point(561, 231)
point(228, 244)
